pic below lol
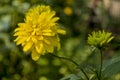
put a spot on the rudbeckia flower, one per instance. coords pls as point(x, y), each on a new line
point(100, 38)
point(39, 33)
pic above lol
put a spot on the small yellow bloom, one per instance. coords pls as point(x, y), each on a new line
point(68, 11)
point(100, 38)
point(39, 32)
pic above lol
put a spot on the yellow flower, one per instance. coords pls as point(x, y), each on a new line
point(100, 38)
point(68, 11)
point(39, 32)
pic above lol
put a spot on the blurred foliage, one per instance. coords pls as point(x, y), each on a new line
point(78, 17)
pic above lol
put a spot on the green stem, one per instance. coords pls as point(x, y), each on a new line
point(73, 63)
point(65, 59)
point(97, 75)
point(84, 74)
point(101, 62)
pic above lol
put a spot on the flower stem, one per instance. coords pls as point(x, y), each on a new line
point(97, 75)
point(72, 62)
point(101, 62)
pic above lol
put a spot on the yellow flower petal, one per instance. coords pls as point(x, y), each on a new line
point(61, 31)
point(46, 41)
point(39, 48)
point(48, 34)
point(17, 29)
point(40, 38)
point(55, 19)
point(51, 15)
point(21, 40)
point(47, 30)
point(49, 48)
point(18, 33)
point(17, 39)
point(28, 46)
point(35, 55)
point(34, 40)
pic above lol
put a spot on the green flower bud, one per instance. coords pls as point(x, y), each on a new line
point(99, 39)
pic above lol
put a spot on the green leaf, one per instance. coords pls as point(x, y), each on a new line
point(88, 67)
point(111, 67)
point(70, 77)
point(93, 77)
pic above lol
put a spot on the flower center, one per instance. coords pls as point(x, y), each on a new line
point(35, 32)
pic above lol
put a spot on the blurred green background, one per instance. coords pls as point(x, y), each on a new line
point(77, 17)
